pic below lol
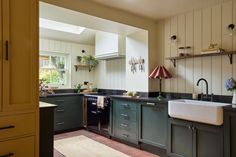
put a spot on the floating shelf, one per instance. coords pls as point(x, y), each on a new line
point(228, 53)
point(82, 66)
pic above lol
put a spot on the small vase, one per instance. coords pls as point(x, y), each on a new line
point(234, 99)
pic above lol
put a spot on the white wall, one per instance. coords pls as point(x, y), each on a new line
point(136, 46)
point(110, 74)
point(73, 50)
point(198, 29)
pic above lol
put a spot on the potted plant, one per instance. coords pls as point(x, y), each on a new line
point(90, 60)
point(230, 85)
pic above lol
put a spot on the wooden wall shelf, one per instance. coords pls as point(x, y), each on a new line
point(228, 53)
point(77, 66)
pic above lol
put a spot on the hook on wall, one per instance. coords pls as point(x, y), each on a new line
point(173, 38)
point(231, 28)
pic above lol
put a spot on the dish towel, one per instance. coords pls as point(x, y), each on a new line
point(100, 102)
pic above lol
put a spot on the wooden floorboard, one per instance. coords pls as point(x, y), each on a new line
point(134, 152)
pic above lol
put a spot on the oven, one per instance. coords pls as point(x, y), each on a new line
point(98, 118)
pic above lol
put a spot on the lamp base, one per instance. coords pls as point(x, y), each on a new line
point(160, 97)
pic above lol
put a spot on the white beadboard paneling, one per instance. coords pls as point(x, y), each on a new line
point(217, 60)
point(234, 39)
point(202, 27)
point(206, 40)
point(197, 49)
point(174, 70)
point(181, 43)
point(216, 25)
point(216, 75)
point(234, 22)
point(206, 72)
point(189, 62)
point(227, 41)
point(206, 27)
point(167, 63)
point(227, 13)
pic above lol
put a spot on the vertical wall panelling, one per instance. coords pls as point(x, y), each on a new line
point(167, 87)
point(226, 43)
point(216, 38)
point(206, 40)
point(197, 49)
point(173, 50)
point(181, 63)
point(189, 62)
point(198, 29)
point(234, 39)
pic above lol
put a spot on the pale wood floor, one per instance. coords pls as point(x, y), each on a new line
point(134, 152)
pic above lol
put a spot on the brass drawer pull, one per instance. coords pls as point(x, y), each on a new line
point(125, 135)
point(123, 125)
point(60, 123)
point(150, 103)
point(7, 155)
point(7, 127)
point(124, 115)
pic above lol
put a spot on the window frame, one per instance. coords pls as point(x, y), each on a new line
point(66, 68)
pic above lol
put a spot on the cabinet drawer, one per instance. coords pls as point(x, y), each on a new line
point(126, 135)
point(125, 105)
point(23, 147)
point(11, 126)
point(65, 124)
point(127, 115)
point(126, 125)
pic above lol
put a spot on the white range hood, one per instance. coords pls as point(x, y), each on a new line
point(109, 46)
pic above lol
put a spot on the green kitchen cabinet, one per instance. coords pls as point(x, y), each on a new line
point(191, 139)
point(153, 124)
point(229, 133)
point(68, 113)
point(125, 119)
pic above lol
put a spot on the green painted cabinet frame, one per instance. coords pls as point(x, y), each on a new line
point(153, 124)
point(68, 113)
point(124, 120)
point(229, 134)
point(190, 139)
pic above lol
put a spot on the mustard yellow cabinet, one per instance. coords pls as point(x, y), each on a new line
point(19, 106)
point(19, 25)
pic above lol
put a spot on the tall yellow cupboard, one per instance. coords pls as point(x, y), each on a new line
point(19, 106)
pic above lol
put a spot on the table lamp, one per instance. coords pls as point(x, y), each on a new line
point(160, 72)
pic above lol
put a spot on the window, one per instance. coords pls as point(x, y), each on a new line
point(53, 69)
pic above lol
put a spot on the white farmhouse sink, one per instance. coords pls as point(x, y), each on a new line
point(198, 111)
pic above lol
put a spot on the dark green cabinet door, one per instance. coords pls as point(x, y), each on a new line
point(68, 113)
point(207, 141)
point(229, 134)
point(125, 120)
point(154, 125)
point(180, 142)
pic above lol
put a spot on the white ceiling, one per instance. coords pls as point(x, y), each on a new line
point(92, 24)
point(157, 9)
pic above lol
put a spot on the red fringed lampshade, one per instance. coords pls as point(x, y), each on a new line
point(160, 72)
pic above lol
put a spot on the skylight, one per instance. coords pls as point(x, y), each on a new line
point(59, 26)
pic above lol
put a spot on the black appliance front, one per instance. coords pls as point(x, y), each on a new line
point(97, 118)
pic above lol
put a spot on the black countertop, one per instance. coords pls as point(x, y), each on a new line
point(146, 99)
point(62, 94)
point(230, 108)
